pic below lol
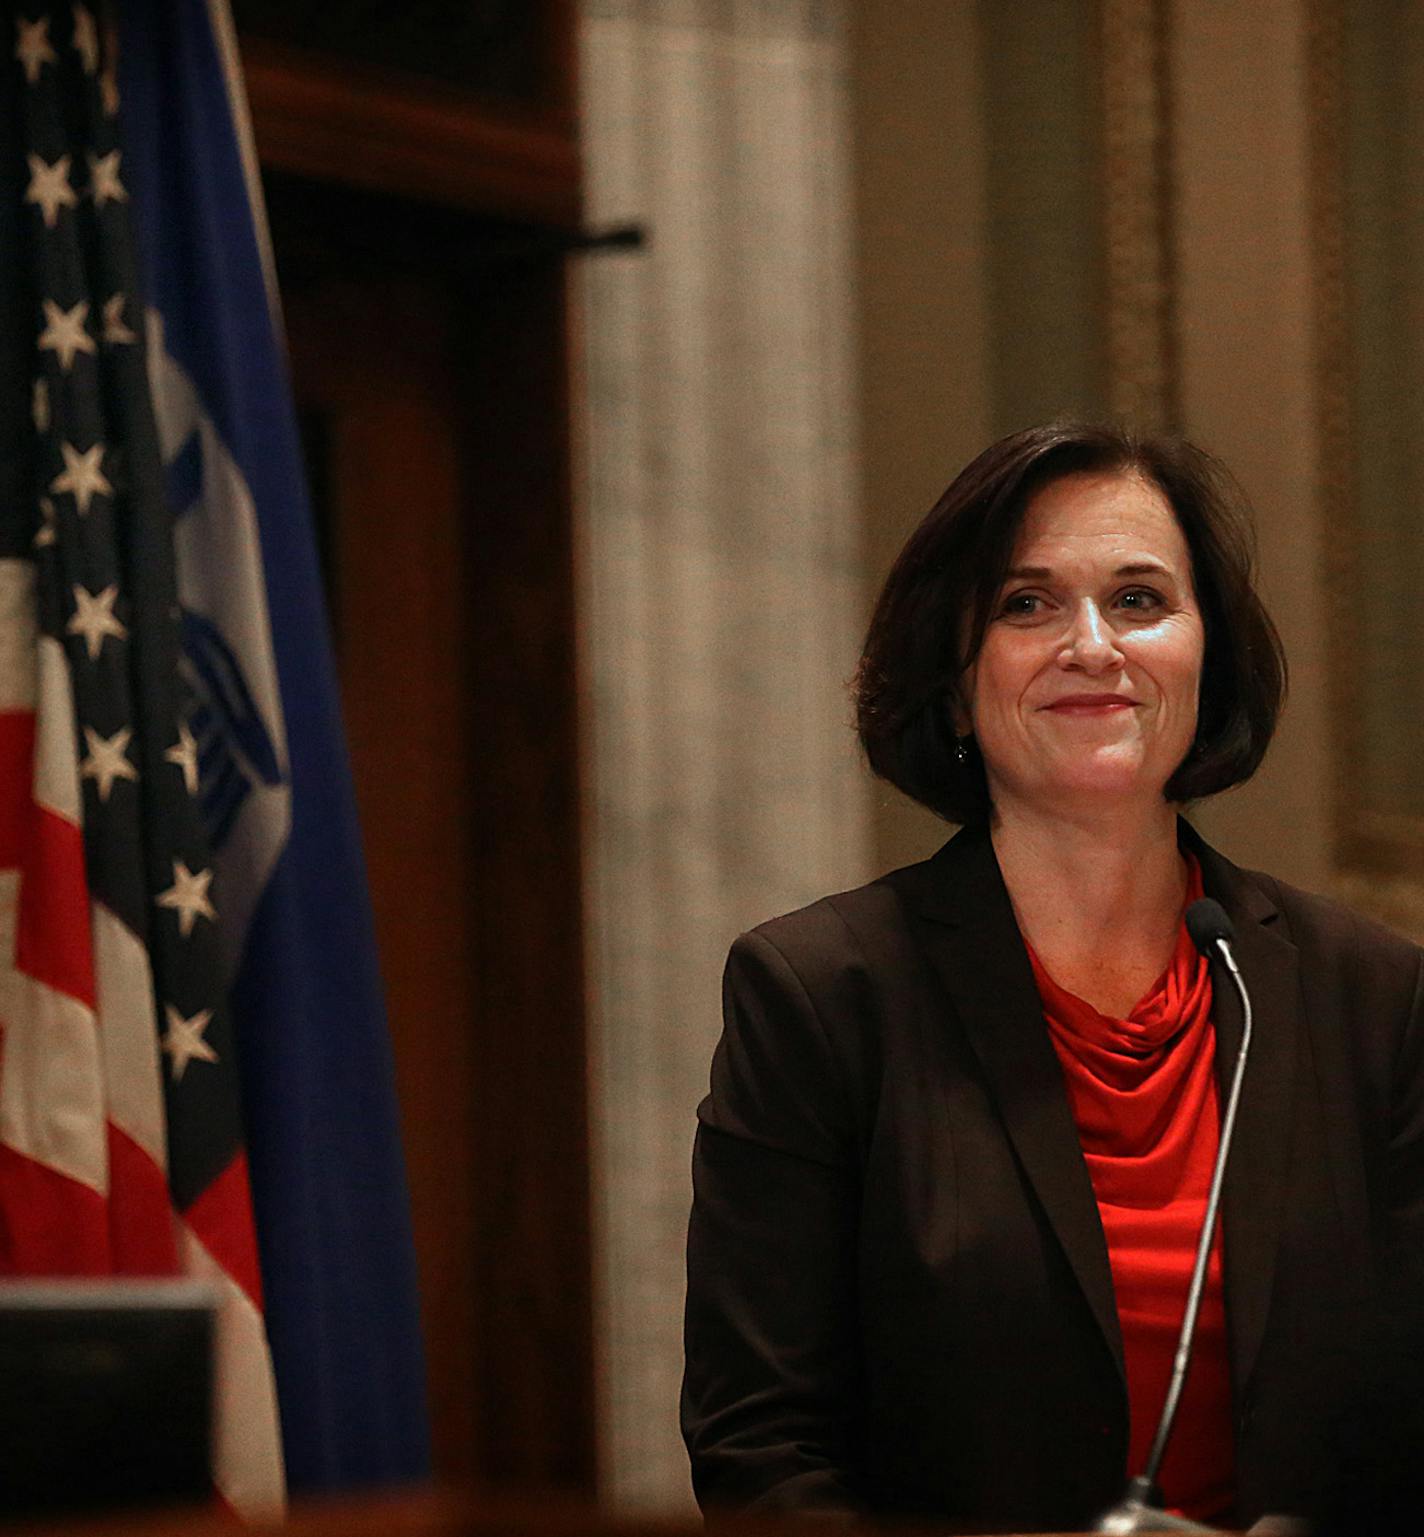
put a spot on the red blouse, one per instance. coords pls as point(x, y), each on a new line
point(1143, 1094)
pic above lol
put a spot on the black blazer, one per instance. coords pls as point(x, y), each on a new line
point(899, 1298)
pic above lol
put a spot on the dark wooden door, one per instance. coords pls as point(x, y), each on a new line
point(429, 355)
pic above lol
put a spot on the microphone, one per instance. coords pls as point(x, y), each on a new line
point(1208, 925)
point(1140, 1509)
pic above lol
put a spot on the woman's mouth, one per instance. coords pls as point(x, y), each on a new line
point(1090, 704)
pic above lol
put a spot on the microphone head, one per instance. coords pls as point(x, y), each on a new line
point(1207, 923)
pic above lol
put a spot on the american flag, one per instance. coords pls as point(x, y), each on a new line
point(121, 1132)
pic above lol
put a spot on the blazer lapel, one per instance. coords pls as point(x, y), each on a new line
point(1253, 1201)
point(973, 941)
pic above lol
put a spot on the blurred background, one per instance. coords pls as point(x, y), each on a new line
point(602, 522)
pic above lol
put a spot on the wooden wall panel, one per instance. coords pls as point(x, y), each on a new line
point(532, 1254)
point(468, 105)
point(443, 431)
point(418, 230)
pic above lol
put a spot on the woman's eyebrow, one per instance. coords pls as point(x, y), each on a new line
point(1043, 573)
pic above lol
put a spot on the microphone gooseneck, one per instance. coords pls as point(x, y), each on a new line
point(1139, 1510)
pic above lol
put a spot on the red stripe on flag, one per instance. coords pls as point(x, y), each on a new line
point(49, 1223)
point(52, 942)
point(140, 1214)
point(53, 938)
point(221, 1218)
point(17, 759)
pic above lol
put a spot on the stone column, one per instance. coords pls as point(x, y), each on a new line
point(723, 598)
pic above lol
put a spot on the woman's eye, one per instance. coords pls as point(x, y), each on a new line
point(1021, 605)
point(1141, 600)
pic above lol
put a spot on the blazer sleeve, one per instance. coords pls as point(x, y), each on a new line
point(1382, 1483)
point(771, 1387)
point(1401, 1248)
point(1404, 1251)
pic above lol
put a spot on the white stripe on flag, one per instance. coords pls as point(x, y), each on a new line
point(52, 1089)
point(17, 635)
point(56, 753)
point(247, 1437)
point(124, 983)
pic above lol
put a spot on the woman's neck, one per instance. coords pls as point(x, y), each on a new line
point(1098, 896)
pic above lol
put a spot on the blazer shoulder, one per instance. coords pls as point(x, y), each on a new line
point(879, 927)
point(875, 903)
point(805, 999)
point(866, 925)
point(1331, 931)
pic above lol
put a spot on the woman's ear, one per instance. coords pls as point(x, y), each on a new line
point(961, 711)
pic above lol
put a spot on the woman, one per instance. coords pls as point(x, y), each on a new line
point(951, 1169)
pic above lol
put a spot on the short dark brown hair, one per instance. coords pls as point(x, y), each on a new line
point(938, 599)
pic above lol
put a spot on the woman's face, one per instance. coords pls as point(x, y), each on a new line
point(1087, 681)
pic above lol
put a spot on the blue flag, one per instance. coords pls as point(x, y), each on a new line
point(328, 1182)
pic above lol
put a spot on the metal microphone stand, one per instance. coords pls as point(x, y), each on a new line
point(1140, 1509)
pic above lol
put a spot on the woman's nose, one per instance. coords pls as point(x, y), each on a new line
point(1090, 642)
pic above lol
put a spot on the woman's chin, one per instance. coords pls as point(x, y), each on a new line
point(1104, 776)
point(1109, 776)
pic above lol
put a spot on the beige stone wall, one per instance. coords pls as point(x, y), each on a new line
point(1246, 330)
point(937, 232)
point(924, 389)
point(721, 597)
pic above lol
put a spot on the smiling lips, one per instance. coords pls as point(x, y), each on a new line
point(1090, 704)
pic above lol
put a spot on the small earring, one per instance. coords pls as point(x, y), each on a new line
point(961, 749)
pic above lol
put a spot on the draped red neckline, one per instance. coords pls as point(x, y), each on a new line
point(1144, 1097)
